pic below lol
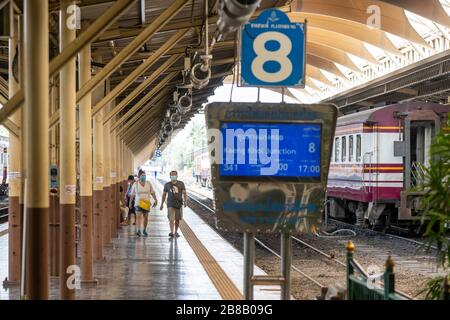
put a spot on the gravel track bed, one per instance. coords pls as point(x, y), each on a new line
point(415, 264)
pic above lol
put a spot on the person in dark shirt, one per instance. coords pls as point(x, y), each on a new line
point(132, 210)
point(175, 191)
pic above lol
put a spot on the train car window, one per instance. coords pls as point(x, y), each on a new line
point(336, 149)
point(344, 149)
point(350, 148)
point(358, 148)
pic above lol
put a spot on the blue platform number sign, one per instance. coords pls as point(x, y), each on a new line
point(158, 153)
point(273, 51)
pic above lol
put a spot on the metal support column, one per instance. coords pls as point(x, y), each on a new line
point(107, 210)
point(85, 120)
point(37, 160)
point(14, 165)
point(286, 261)
point(23, 153)
point(98, 177)
point(68, 180)
point(114, 210)
point(249, 261)
point(116, 178)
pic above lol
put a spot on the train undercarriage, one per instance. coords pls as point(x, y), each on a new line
point(379, 216)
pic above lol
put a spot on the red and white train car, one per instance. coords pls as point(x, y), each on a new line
point(375, 161)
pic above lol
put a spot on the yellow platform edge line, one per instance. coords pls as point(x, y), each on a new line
point(223, 284)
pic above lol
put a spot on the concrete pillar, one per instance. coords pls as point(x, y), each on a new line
point(14, 167)
point(107, 176)
point(37, 161)
point(85, 119)
point(98, 175)
point(68, 180)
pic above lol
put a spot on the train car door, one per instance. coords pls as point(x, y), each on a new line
point(419, 128)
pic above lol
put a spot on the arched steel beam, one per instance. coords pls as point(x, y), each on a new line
point(393, 19)
point(332, 54)
point(311, 84)
point(359, 31)
point(326, 65)
point(430, 9)
point(316, 74)
point(341, 42)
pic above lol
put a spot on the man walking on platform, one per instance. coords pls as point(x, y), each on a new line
point(175, 192)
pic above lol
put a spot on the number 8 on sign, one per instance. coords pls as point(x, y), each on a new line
point(263, 55)
point(273, 51)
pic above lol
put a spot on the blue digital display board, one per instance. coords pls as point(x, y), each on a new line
point(282, 150)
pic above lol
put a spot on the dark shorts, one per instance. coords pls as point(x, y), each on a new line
point(139, 210)
point(132, 209)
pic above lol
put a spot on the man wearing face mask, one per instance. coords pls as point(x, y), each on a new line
point(175, 192)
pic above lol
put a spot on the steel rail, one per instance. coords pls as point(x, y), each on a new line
point(309, 246)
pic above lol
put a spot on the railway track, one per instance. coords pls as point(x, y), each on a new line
point(3, 213)
point(200, 199)
point(258, 241)
point(361, 229)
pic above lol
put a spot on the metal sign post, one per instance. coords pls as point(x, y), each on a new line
point(283, 280)
point(249, 262)
point(286, 261)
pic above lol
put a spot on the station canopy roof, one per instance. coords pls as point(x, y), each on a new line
point(351, 44)
point(348, 43)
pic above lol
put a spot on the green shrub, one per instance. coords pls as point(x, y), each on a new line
point(435, 205)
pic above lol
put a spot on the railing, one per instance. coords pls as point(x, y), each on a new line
point(417, 174)
point(360, 284)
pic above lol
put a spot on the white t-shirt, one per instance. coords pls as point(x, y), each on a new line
point(141, 192)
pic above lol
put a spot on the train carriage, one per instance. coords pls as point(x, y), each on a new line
point(376, 160)
point(202, 169)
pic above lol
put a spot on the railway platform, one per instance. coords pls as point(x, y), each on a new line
point(199, 265)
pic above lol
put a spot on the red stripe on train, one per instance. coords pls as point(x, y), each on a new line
point(367, 194)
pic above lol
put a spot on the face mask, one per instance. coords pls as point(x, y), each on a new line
point(142, 178)
point(173, 178)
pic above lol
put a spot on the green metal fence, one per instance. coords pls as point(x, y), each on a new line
point(360, 284)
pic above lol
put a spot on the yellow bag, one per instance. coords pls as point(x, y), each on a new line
point(144, 204)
